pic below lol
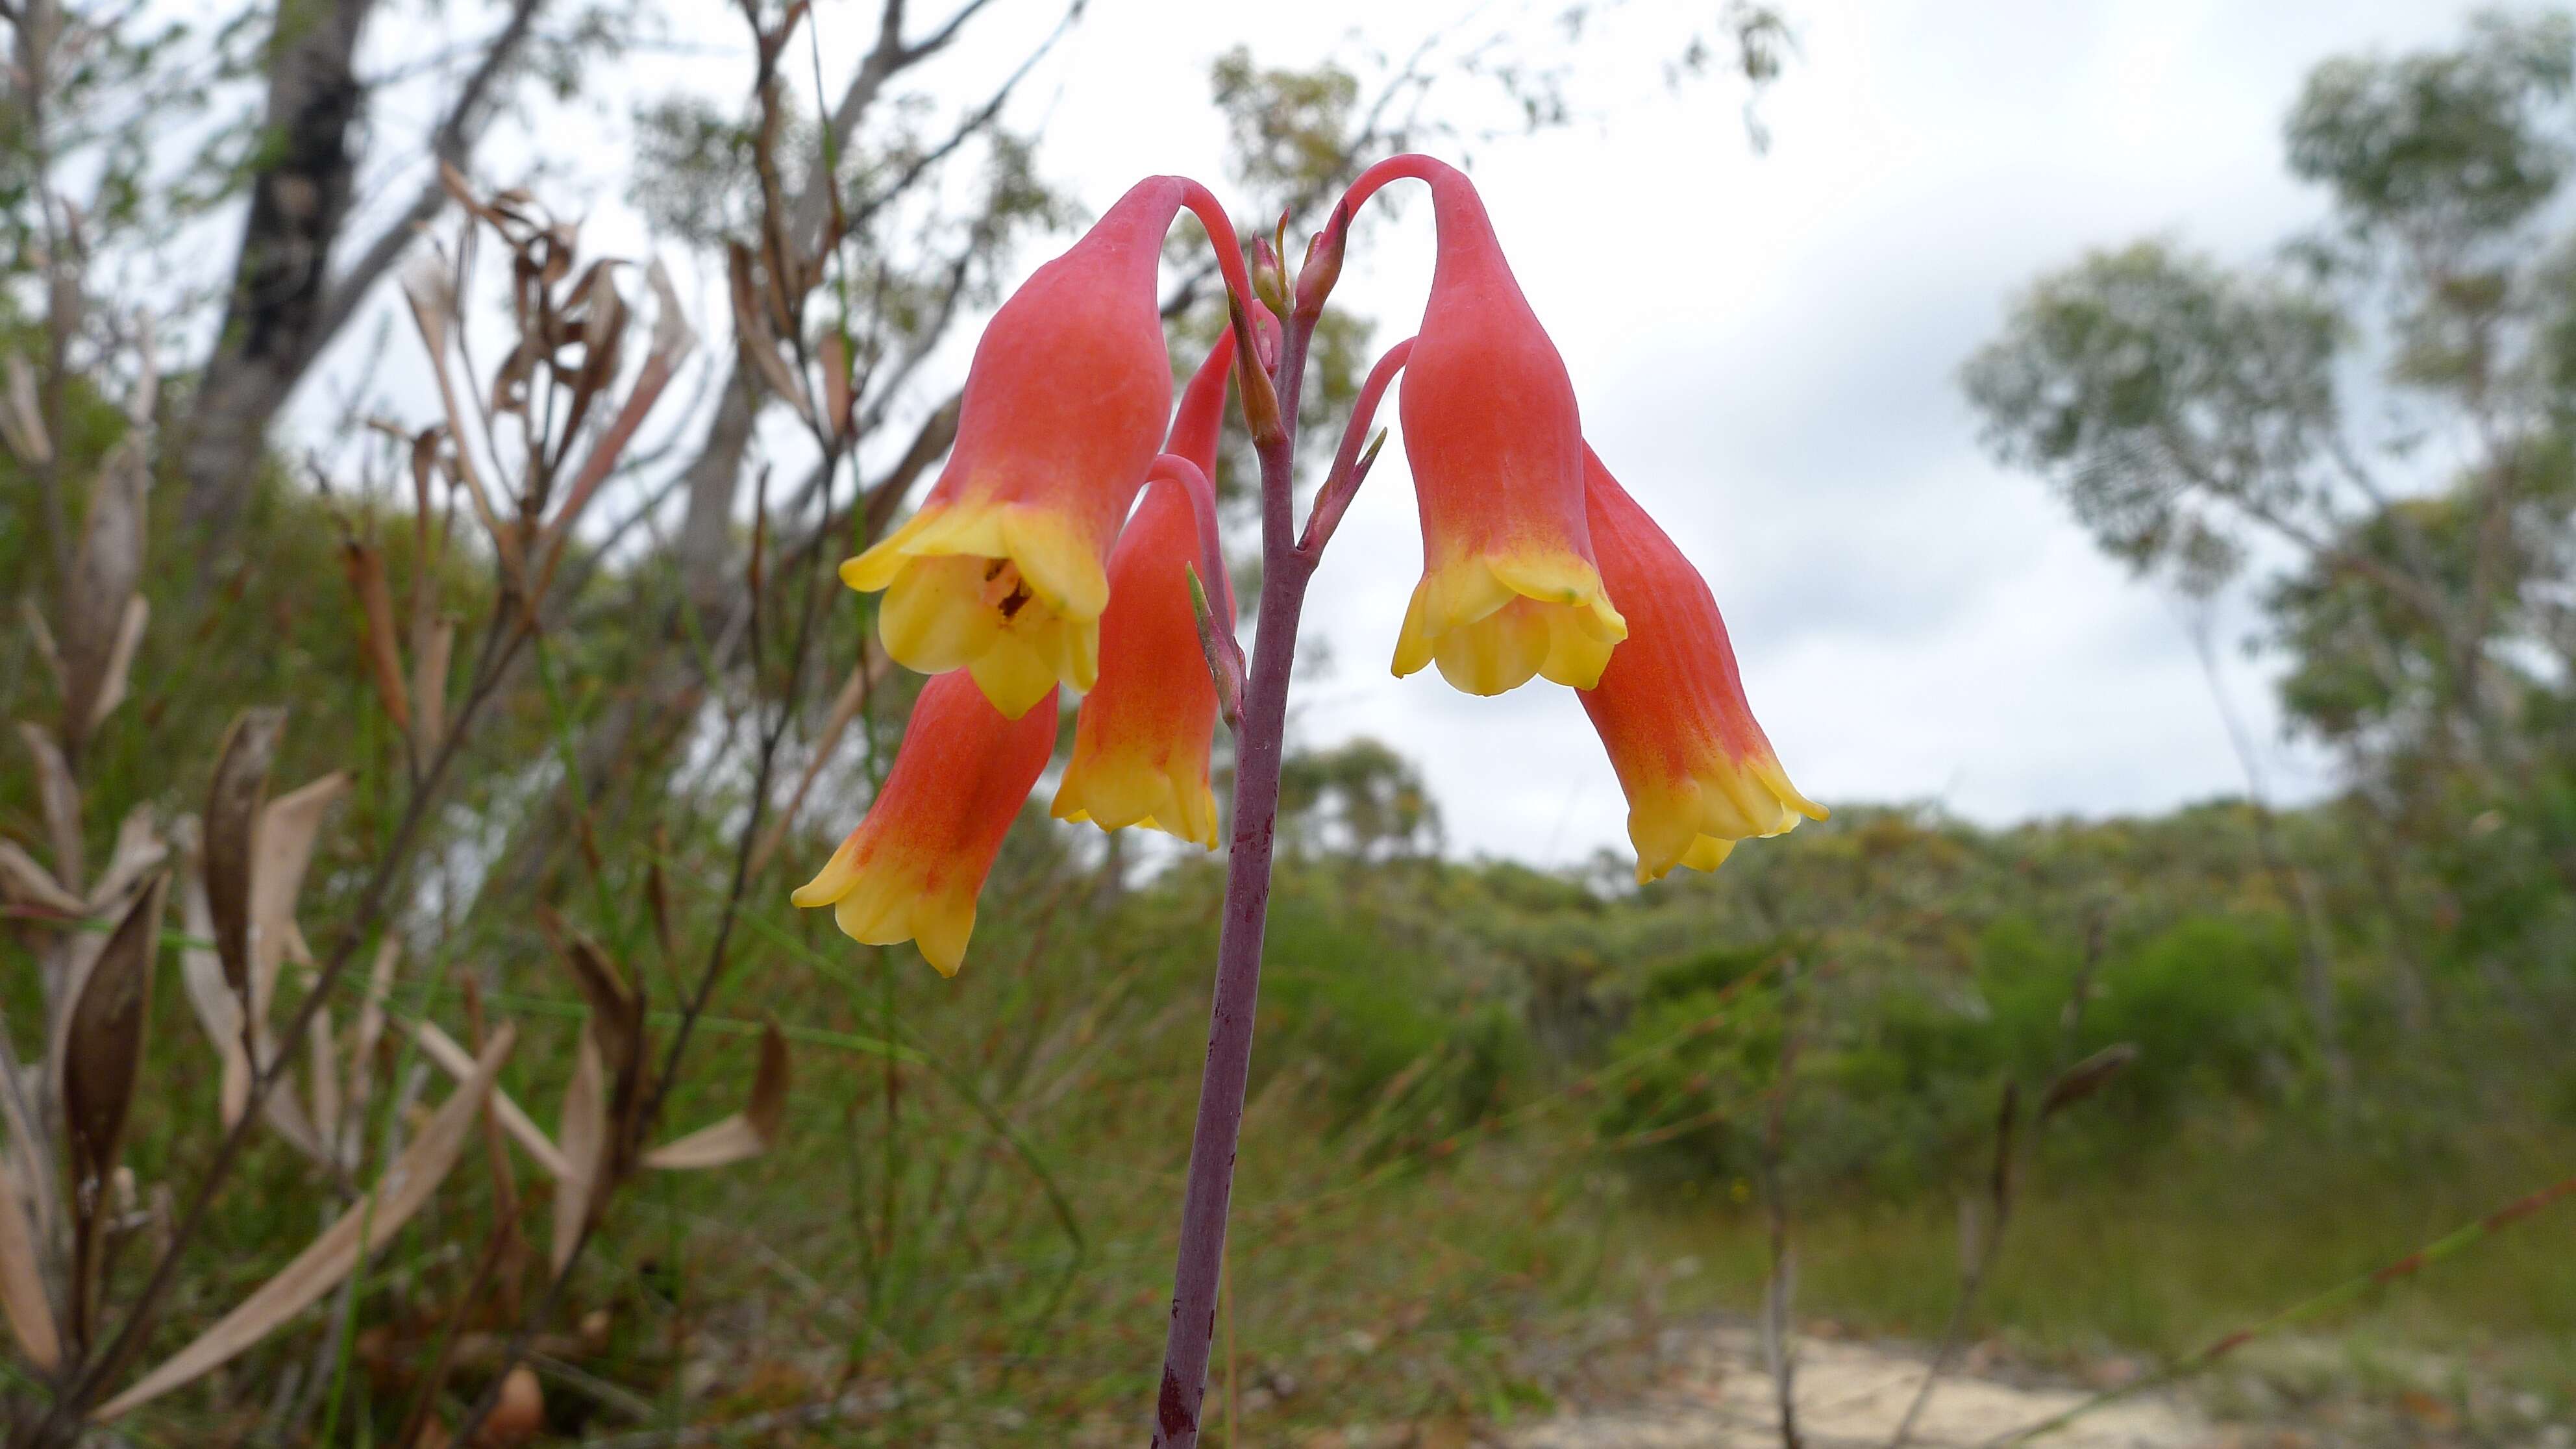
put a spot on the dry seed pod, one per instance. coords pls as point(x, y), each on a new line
point(102, 1047)
point(233, 809)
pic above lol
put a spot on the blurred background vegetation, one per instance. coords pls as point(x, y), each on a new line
point(1507, 1124)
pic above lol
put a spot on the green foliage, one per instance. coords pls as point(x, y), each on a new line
point(2461, 142)
point(2163, 396)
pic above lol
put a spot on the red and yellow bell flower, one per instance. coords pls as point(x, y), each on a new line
point(1141, 742)
point(913, 868)
point(1670, 708)
point(1509, 588)
point(1001, 572)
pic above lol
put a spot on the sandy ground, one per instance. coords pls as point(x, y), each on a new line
point(1850, 1394)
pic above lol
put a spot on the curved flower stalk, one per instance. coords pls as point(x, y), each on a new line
point(913, 868)
point(1002, 572)
point(1509, 586)
point(1697, 770)
point(1142, 740)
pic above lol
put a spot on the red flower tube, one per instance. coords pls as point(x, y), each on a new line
point(1509, 586)
point(1001, 570)
point(1698, 772)
point(1141, 742)
point(913, 868)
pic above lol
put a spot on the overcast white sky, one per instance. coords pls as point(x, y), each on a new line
point(1766, 348)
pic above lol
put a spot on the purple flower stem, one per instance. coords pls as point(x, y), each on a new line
point(1285, 571)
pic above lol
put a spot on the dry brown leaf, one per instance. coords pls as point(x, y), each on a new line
point(105, 574)
point(218, 1007)
point(288, 827)
point(584, 1134)
point(746, 1133)
point(25, 881)
point(430, 287)
point(672, 340)
point(42, 636)
point(138, 848)
point(456, 1061)
point(836, 383)
point(120, 661)
point(364, 563)
point(22, 1280)
point(429, 690)
point(22, 422)
point(60, 799)
point(102, 1058)
point(758, 338)
point(366, 1226)
point(231, 837)
point(220, 1011)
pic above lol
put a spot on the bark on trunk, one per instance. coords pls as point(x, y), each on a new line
point(275, 317)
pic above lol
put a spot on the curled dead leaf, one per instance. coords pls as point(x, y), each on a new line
point(746, 1133)
point(365, 565)
point(106, 571)
point(583, 1133)
point(22, 1280)
point(60, 800)
point(139, 847)
point(22, 422)
point(28, 883)
point(120, 662)
point(288, 828)
point(218, 1006)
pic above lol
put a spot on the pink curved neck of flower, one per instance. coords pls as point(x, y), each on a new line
point(1410, 166)
point(1349, 467)
point(1203, 204)
point(1180, 472)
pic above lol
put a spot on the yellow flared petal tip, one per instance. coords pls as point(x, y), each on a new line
point(1116, 789)
point(830, 883)
point(1706, 853)
point(881, 910)
point(1493, 624)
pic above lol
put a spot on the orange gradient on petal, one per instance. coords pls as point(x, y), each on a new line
point(1698, 772)
point(1142, 740)
point(913, 868)
point(1003, 571)
point(1509, 587)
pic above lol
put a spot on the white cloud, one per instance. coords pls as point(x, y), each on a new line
point(1766, 350)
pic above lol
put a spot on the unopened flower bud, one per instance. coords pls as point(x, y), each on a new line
point(1269, 276)
point(1323, 264)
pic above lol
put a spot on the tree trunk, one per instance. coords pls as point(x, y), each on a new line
point(275, 319)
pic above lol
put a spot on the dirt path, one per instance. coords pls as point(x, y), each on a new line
point(1849, 1395)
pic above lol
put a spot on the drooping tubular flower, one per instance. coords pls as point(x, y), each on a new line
point(913, 868)
point(1001, 572)
point(1140, 745)
point(1697, 770)
point(1509, 587)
